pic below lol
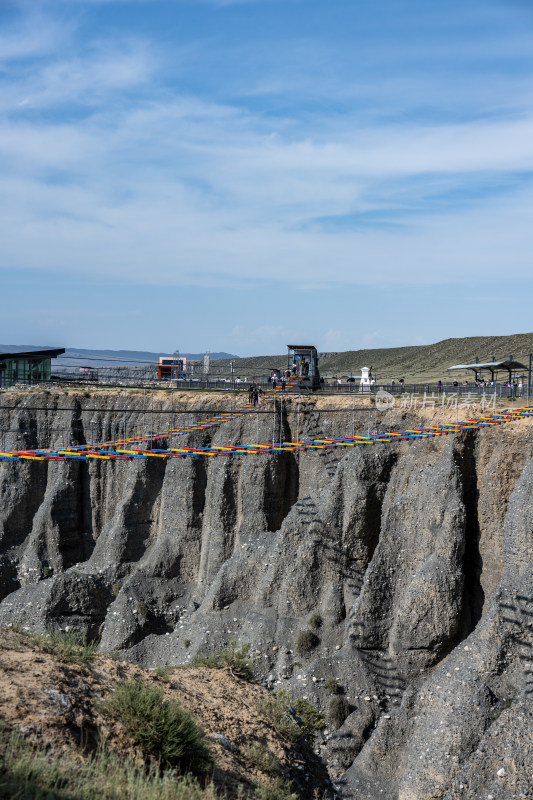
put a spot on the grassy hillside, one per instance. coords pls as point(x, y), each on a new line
point(419, 362)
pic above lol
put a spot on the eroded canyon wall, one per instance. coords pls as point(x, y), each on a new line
point(414, 558)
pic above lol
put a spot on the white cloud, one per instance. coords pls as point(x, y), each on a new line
point(159, 185)
point(34, 36)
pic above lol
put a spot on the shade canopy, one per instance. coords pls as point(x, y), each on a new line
point(34, 354)
point(493, 366)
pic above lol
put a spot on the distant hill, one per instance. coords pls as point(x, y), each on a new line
point(74, 357)
point(416, 362)
point(420, 362)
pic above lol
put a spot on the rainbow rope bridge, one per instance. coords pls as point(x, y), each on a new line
point(125, 448)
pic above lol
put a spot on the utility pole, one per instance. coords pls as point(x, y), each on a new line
point(174, 369)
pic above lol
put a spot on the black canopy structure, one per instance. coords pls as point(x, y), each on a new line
point(302, 360)
point(31, 367)
point(509, 364)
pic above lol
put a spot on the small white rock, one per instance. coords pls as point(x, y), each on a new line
point(501, 773)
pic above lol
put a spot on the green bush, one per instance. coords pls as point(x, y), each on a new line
point(280, 709)
point(164, 673)
point(163, 731)
point(275, 708)
point(306, 641)
point(30, 772)
point(338, 710)
point(261, 758)
point(233, 658)
point(274, 789)
point(312, 719)
point(315, 621)
point(332, 686)
point(70, 646)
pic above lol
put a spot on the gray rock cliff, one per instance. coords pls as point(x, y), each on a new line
point(412, 564)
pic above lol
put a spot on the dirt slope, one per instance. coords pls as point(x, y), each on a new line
point(55, 702)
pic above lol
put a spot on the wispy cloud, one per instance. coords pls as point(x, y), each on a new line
point(114, 163)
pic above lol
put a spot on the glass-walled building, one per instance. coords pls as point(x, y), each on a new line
point(26, 368)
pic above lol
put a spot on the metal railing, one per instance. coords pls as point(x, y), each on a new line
point(328, 386)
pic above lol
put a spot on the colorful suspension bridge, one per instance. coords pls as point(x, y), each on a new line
point(130, 448)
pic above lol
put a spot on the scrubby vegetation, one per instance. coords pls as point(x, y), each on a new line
point(164, 673)
point(261, 758)
point(332, 686)
point(338, 710)
point(70, 646)
point(315, 621)
point(312, 719)
point(306, 641)
point(31, 773)
point(165, 733)
point(234, 658)
point(274, 789)
point(276, 709)
point(291, 718)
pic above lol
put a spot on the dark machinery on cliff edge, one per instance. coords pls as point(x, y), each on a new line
point(302, 361)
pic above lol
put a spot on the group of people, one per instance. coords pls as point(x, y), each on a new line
point(254, 395)
point(282, 377)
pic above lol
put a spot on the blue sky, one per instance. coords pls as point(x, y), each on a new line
point(235, 175)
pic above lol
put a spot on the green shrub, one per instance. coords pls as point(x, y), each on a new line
point(280, 709)
point(164, 673)
point(338, 710)
point(315, 621)
point(312, 719)
point(332, 686)
point(163, 731)
point(30, 772)
point(70, 646)
point(306, 641)
point(275, 708)
point(233, 658)
point(261, 758)
point(274, 789)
